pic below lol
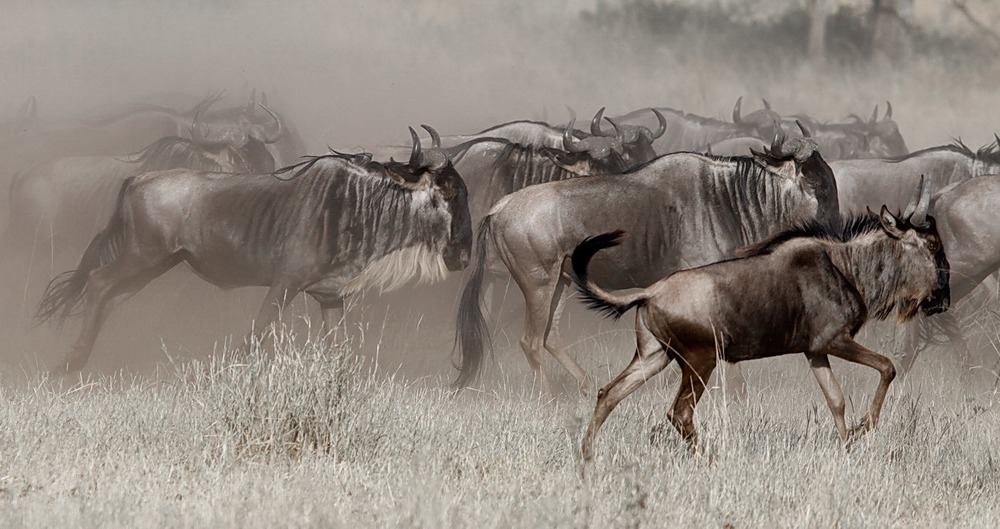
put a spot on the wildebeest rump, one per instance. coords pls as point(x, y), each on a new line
point(684, 209)
point(808, 290)
point(61, 204)
point(339, 224)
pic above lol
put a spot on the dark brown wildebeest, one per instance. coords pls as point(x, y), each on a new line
point(807, 290)
point(685, 210)
point(339, 224)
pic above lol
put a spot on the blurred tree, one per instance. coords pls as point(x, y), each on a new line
point(891, 24)
point(819, 12)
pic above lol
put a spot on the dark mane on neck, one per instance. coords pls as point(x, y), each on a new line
point(851, 227)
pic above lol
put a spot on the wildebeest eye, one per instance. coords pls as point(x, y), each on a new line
point(933, 246)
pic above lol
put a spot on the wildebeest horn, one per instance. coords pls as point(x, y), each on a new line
point(874, 114)
point(415, 153)
point(252, 102)
point(196, 129)
point(767, 106)
point(888, 110)
point(805, 131)
point(571, 144)
point(919, 218)
point(663, 124)
point(998, 140)
point(435, 137)
point(736, 110)
point(595, 124)
point(272, 138)
point(857, 118)
point(777, 143)
point(618, 130)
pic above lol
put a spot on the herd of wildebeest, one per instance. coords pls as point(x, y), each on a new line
point(762, 236)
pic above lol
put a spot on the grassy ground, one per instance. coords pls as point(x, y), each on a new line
point(310, 438)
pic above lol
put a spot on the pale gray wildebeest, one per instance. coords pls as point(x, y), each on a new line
point(684, 210)
point(869, 183)
point(59, 205)
point(876, 138)
point(967, 217)
point(238, 124)
point(691, 133)
point(636, 142)
point(808, 290)
point(337, 225)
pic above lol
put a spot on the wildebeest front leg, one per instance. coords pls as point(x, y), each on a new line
point(650, 358)
point(820, 364)
point(852, 351)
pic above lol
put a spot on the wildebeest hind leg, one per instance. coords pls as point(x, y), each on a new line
point(537, 321)
point(554, 344)
point(696, 368)
point(852, 351)
point(820, 364)
point(278, 296)
point(106, 288)
point(650, 358)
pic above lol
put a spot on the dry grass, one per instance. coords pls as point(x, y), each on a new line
point(309, 437)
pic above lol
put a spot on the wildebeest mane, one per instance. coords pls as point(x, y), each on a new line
point(524, 158)
point(851, 227)
point(989, 153)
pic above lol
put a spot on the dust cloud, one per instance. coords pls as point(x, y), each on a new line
point(354, 75)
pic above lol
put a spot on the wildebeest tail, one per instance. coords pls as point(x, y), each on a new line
point(473, 334)
point(66, 291)
point(594, 296)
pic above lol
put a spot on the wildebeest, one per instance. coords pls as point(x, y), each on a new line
point(807, 290)
point(684, 210)
point(339, 224)
point(967, 219)
point(869, 183)
point(58, 203)
point(876, 138)
point(689, 132)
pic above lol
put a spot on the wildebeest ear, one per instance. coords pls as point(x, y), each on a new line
point(890, 224)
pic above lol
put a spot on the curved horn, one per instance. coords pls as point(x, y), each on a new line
point(272, 138)
point(571, 144)
point(911, 207)
point(998, 140)
point(618, 130)
point(252, 102)
point(595, 124)
point(736, 110)
point(874, 114)
point(919, 219)
point(663, 124)
point(777, 143)
point(415, 154)
point(888, 110)
point(805, 131)
point(767, 106)
point(435, 137)
point(196, 129)
point(857, 118)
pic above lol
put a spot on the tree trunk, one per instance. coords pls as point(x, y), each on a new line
point(819, 12)
point(890, 29)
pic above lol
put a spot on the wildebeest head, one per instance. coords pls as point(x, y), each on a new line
point(236, 126)
point(800, 161)
point(882, 137)
point(636, 140)
point(923, 264)
point(431, 170)
point(607, 149)
point(763, 123)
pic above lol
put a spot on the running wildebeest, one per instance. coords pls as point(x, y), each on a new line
point(64, 202)
point(685, 210)
point(808, 290)
point(340, 224)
